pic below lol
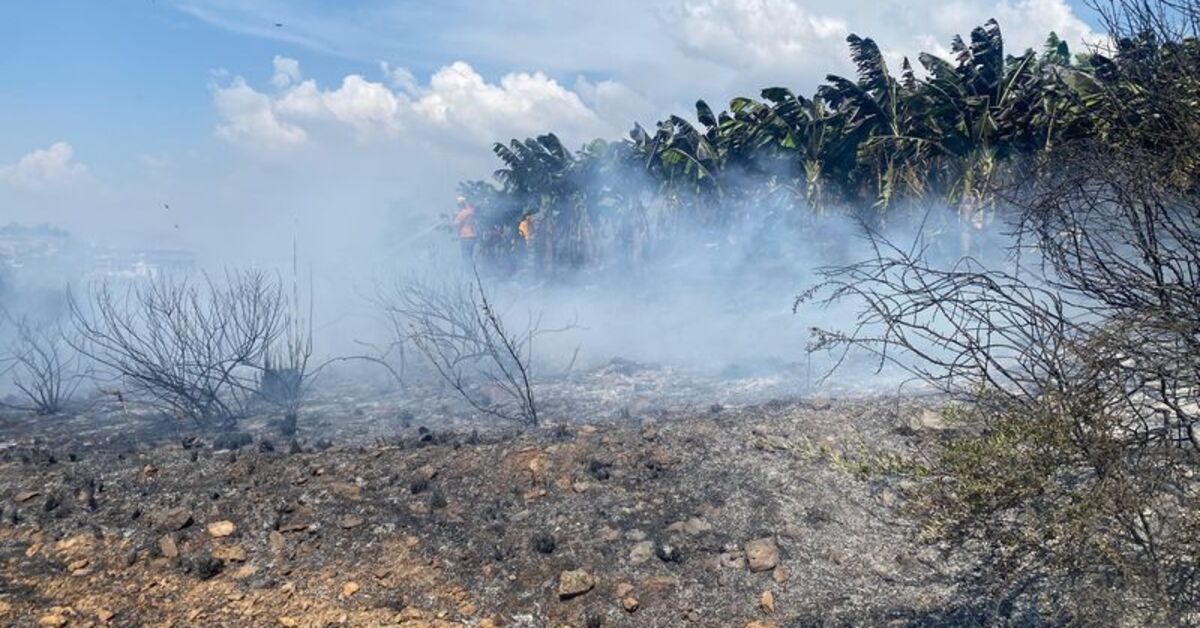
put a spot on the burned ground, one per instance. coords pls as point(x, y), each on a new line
point(649, 513)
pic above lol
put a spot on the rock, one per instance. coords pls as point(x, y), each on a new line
point(79, 567)
point(779, 574)
point(276, 539)
point(692, 526)
point(538, 465)
point(609, 534)
point(167, 547)
point(766, 602)
point(230, 553)
point(53, 618)
point(574, 583)
point(924, 420)
point(245, 571)
point(299, 519)
point(105, 615)
point(428, 472)
point(221, 529)
point(171, 519)
point(25, 496)
point(630, 603)
point(762, 554)
point(349, 589)
point(732, 560)
point(624, 589)
point(347, 491)
point(349, 522)
point(641, 552)
point(760, 624)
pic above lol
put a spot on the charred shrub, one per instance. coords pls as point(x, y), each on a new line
point(46, 369)
point(279, 384)
point(667, 552)
point(192, 349)
point(288, 424)
point(599, 469)
point(232, 441)
point(203, 567)
point(543, 543)
point(467, 344)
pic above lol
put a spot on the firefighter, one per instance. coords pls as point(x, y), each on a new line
point(464, 226)
point(525, 230)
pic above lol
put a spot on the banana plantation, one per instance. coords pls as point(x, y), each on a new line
point(959, 133)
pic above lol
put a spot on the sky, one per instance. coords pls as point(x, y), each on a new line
point(230, 127)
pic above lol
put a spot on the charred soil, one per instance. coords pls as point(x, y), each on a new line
point(709, 516)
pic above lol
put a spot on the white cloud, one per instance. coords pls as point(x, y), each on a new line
point(287, 71)
point(797, 42)
point(614, 102)
point(400, 78)
point(44, 168)
point(668, 52)
point(367, 107)
point(457, 104)
point(248, 119)
point(749, 34)
point(459, 98)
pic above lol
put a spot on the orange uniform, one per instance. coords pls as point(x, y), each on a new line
point(464, 221)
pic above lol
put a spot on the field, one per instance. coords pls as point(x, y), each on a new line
point(678, 500)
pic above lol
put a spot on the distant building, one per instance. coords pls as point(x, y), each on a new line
point(44, 252)
point(119, 264)
point(24, 247)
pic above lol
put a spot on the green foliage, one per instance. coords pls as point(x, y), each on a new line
point(971, 125)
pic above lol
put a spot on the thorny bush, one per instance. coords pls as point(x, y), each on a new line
point(1076, 466)
point(194, 349)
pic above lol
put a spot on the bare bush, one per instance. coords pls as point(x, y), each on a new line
point(1079, 470)
point(457, 328)
point(46, 369)
point(192, 348)
point(285, 370)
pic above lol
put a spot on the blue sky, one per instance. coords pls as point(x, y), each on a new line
point(112, 108)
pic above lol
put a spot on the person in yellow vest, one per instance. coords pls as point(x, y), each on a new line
point(525, 228)
point(464, 226)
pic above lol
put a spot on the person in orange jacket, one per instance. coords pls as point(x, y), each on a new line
point(464, 225)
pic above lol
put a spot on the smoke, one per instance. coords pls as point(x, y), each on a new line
point(704, 295)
